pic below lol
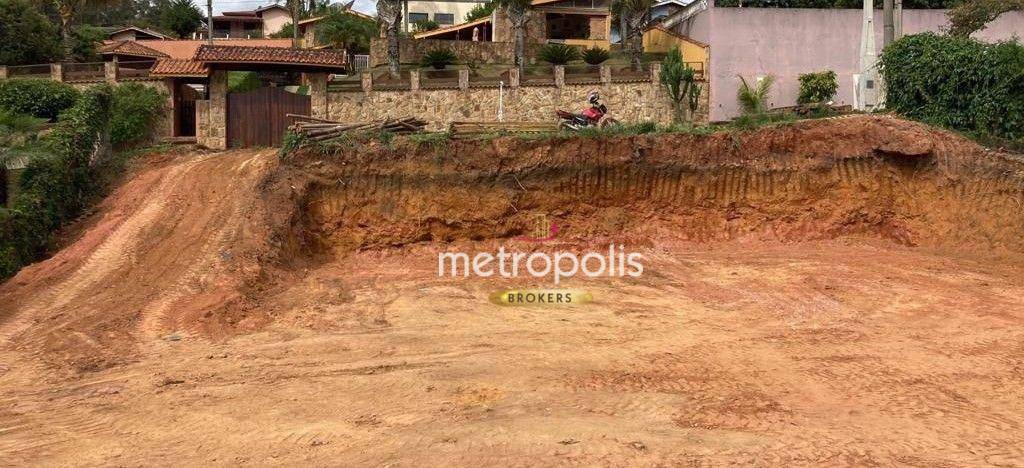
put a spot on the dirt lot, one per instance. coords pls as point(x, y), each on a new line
point(224, 309)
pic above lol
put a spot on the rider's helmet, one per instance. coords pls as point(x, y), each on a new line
point(593, 98)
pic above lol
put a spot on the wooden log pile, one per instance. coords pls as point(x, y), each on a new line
point(469, 129)
point(317, 129)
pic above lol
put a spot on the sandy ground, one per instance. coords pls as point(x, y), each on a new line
point(854, 351)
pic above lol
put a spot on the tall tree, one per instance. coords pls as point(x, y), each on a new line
point(27, 35)
point(616, 9)
point(344, 30)
point(389, 13)
point(638, 17)
point(182, 18)
point(68, 11)
point(518, 12)
point(971, 16)
point(297, 8)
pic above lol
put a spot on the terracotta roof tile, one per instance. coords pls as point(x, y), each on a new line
point(133, 48)
point(178, 67)
point(186, 49)
point(242, 54)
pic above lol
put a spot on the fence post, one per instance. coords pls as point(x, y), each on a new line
point(367, 80)
point(414, 80)
point(559, 76)
point(655, 73)
point(57, 72)
point(318, 98)
point(513, 77)
point(463, 79)
point(606, 75)
point(110, 71)
point(3, 72)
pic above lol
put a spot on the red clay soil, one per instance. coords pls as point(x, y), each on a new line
point(834, 292)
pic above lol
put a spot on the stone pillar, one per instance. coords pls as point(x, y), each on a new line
point(57, 72)
point(513, 78)
point(218, 115)
point(367, 82)
point(202, 122)
point(318, 94)
point(606, 75)
point(3, 72)
point(414, 80)
point(172, 107)
point(559, 76)
point(110, 71)
point(464, 79)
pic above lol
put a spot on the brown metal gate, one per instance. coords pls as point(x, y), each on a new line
point(258, 117)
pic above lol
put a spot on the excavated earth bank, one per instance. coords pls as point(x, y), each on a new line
point(832, 292)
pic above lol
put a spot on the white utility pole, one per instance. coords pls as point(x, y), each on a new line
point(897, 20)
point(867, 80)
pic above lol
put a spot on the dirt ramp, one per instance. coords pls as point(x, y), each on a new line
point(168, 249)
point(870, 176)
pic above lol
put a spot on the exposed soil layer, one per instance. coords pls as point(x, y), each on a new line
point(840, 292)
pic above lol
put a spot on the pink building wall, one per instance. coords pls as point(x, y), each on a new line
point(786, 42)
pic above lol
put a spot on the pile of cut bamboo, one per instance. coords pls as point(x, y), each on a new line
point(318, 129)
point(468, 129)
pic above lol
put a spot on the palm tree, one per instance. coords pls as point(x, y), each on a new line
point(638, 16)
point(67, 10)
point(389, 13)
point(518, 14)
point(753, 100)
point(618, 16)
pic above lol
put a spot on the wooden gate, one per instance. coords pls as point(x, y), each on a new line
point(258, 117)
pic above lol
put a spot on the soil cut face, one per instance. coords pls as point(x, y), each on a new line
point(836, 292)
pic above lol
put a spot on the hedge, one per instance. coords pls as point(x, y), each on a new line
point(957, 82)
point(57, 188)
point(41, 98)
point(136, 108)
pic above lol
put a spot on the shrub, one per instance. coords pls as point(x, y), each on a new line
point(27, 34)
point(424, 25)
point(678, 80)
point(136, 108)
point(957, 82)
point(481, 10)
point(558, 54)
point(754, 99)
point(41, 98)
point(242, 81)
point(438, 58)
point(595, 55)
point(817, 87)
point(57, 188)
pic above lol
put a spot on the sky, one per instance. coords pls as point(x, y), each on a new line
point(363, 6)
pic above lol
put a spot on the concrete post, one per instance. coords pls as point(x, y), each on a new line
point(110, 71)
point(318, 94)
point(367, 80)
point(513, 77)
point(57, 72)
point(464, 79)
point(3, 72)
point(414, 80)
point(559, 76)
point(218, 116)
point(606, 75)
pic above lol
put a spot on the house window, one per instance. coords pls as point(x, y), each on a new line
point(417, 17)
point(444, 19)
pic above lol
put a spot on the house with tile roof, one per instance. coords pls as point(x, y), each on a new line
point(249, 24)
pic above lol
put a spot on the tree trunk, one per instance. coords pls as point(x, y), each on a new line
point(389, 12)
point(518, 18)
point(624, 31)
point(393, 52)
point(295, 24)
point(636, 48)
point(65, 38)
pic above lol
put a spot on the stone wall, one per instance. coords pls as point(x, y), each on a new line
point(628, 102)
point(411, 50)
point(212, 114)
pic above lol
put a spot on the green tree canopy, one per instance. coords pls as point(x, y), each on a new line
point(345, 30)
point(181, 17)
point(26, 34)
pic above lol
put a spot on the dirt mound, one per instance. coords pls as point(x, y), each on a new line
point(873, 176)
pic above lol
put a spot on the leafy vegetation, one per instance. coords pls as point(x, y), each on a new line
point(753, 100)
point(57, 188)
point(438, 58)
point(909, 4)
point(181, 17)
point(344, 30)
point(678, 80)
point(817, 87)
point(595, 55)
point(424, 25)
point(558, 54)
point(481, 10)
point(136, 109)
point(242, 81)
point(970, 16)
point(957, 82)
point(40, 98)
point(84, 41)
point(27, 35)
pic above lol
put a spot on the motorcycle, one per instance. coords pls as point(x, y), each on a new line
point(594, 116)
